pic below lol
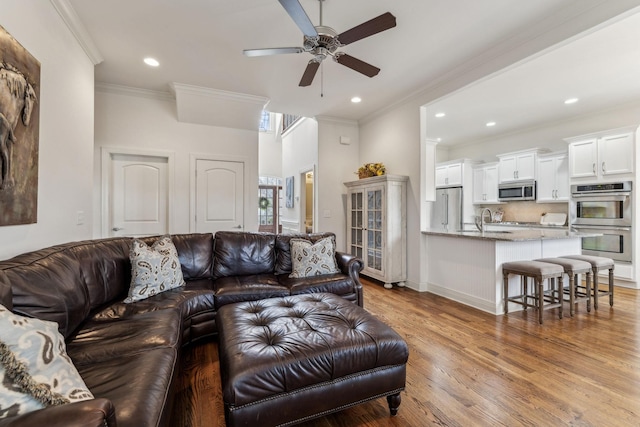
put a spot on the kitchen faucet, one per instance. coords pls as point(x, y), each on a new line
point(484, 210)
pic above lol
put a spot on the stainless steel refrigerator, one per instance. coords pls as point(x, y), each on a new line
point(446, 211)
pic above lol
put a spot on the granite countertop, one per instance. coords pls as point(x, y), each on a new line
point(514, 235)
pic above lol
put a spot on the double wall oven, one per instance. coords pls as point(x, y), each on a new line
point(605, 209)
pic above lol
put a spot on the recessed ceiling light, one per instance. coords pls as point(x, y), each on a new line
point(440, 115)
point(489, 124)
point(151, 62)
point(571, 101)
point(356, 99)
point(439, 139)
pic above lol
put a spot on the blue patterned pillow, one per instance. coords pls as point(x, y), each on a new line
point(35, 370)
point(154, 269)
point(313, 259)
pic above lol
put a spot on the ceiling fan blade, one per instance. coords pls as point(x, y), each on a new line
point(369, 28)
point(299, 16)
point(357, 65)
point(309, 73)
point(272, 51)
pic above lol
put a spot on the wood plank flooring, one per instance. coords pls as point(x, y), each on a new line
point(470, 368)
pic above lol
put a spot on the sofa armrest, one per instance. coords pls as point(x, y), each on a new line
point(352, 266)
point(87, 413)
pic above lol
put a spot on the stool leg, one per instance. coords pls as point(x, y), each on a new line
point(611, 287)
point(540, 293)
point(595, 288)
point(561, 297)
point(506, 292)
point(572, 293)
point(588, 291)
point(525, 291)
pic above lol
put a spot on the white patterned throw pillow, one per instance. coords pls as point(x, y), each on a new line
point(35, 370)
point(154, 269)
point(313, 259)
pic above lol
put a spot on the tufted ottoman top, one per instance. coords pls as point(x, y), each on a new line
point(280, 345)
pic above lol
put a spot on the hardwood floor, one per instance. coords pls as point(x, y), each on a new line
point(467, 367)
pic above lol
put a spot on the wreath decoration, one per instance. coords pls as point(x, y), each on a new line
point(263, 202)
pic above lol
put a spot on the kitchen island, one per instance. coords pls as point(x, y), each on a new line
point(466, 266)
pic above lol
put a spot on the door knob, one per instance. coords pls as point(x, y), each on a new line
point(238, 226)
point(117, 229)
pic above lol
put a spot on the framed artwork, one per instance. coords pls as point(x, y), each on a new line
point(19, 132)
point(289, 192)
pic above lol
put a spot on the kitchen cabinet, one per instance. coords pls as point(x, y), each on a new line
point(377, 226)
point(553, 178)
point(485, 184)
point(517, 166)
point(601, 155)
point(449, 174)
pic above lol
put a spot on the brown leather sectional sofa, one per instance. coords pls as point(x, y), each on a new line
point(129, 354)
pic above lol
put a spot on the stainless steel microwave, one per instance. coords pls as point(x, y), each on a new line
point(523, 190)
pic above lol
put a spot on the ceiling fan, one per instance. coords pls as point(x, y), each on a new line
point(321, 41)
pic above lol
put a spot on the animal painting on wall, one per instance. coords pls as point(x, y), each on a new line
point(19, 132)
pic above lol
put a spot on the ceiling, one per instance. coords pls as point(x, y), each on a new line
point(199, 43)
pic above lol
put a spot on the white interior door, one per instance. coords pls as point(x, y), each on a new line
point(219, 195)
point(139, 195)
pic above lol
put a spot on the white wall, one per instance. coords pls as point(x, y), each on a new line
point(270, 150)
point(146, 123)
point(66, 128)
point(299, 154)
point(337, 164)
point(394, 139)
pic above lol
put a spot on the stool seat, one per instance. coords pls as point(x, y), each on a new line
point(533, 268)
point(573, 268)
point(598, 263)
point(539, 271)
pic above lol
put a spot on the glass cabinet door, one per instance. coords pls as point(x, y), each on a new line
point(374, 229)
point(357, 223)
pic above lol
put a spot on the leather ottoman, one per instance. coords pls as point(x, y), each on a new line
point(287, 360)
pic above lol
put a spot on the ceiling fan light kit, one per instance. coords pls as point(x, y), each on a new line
point(322, 41)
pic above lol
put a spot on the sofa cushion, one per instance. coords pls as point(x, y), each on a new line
point(6, 295)
point(98, 341)
point(313, 259)
point(229, 290)
point(195, 252)
point(154, 269)
point(283, 249)
point(139, 385)
point(35, 371)
point(47, 284)
point(338, 284)
point(242, 253)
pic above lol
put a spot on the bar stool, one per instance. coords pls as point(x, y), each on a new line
point(539, 271)
point(598, 263)
point(573, 268)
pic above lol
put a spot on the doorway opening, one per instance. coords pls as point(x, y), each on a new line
point(307, 201)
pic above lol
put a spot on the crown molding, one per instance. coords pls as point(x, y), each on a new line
point(77, 28)
point(133, 91)
point(217, 94)
point(336, 120)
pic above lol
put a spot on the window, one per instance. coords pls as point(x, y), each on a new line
point(265, 122)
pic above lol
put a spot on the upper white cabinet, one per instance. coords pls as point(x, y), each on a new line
point(450, 174)
point(485, 184)
point(601, 155)
point(553, 178)
point(517, 166)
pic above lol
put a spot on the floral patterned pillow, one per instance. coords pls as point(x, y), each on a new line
point(154, 269)
point(35, 370)
point(313, 259)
